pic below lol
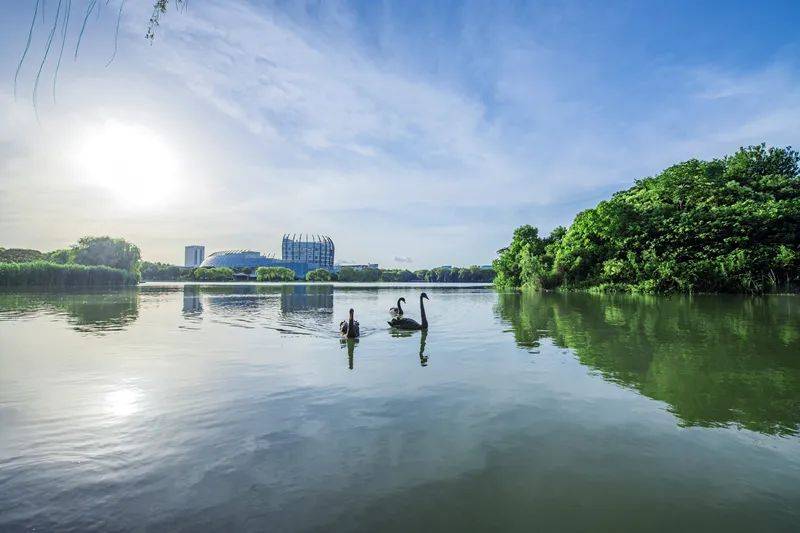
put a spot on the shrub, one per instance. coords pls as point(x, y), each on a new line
point(319, 274)
point(274, 274)
point(44, 274)
point(213, 274)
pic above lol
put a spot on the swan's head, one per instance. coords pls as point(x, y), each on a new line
point(351, 313)
point(402, 300)
point(423, 295)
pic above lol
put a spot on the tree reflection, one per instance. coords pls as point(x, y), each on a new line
point(86, 312)
point(716, 360)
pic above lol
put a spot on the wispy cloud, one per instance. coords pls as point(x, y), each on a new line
point(431, 139)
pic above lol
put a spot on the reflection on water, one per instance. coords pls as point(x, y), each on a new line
point(350, 344)
point(291, 309)
point(213, 407)
point(423, 337)
point(89, 313)
point(716, 360)
point(307, 298)
point(192, 303)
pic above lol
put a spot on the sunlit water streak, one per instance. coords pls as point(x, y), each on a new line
point(239, 407)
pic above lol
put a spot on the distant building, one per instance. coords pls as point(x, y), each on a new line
point(247, 261)
point(194, 255)
point(315, 249)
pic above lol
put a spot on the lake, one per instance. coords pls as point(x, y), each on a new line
point(237, 407)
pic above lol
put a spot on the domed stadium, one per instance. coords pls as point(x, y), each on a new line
point(237, 259)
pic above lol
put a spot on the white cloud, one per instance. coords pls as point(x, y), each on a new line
point(291, 123)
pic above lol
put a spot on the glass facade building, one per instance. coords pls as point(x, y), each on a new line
point(316, 249)
point(249, 259)
point(194, 255)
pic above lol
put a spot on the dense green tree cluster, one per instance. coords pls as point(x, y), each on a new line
point(398, 275)
point(53, 275)
point(117, 254)
point(472, 274)
point(165, 272)
point(274, 274)
point(359, 275)
point(319, 274)
point(20, 255)
point(727, 225)
point(213, 274)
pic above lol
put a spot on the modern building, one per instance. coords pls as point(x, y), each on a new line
point(194, 255)
point(315, 249)
point(309, 258)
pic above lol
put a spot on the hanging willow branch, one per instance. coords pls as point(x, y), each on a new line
point(160, 8)
point(62, 19)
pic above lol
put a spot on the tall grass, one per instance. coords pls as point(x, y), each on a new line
point(45, 274)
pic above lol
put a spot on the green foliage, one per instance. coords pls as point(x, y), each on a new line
point(165, 272)
point(52, 275)
point(473, 274)
point(115, 253)
point(62, 256)
point(359, 275)
point(319, 274)
point(274, 274)
point(20, 255)
point(213, 274)
point(728, 225)
point(528, 260)
point(398, 275)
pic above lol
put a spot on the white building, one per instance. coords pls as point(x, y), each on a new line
point(194, 255)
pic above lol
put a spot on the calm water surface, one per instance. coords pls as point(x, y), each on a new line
point(238, 407)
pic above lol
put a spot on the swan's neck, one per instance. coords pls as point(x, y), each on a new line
point(399, 308)
point(422, 313)
point(351, 332)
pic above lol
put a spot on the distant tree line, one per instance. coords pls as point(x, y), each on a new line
point(726, 225)
point(472, 274)
point(165, 272)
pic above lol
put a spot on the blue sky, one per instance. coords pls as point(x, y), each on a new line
point(415, 134)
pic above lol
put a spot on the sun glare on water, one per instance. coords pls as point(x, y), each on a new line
point(133, 163)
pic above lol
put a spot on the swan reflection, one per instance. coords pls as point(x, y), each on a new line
point(423, 338)
point(350, 344)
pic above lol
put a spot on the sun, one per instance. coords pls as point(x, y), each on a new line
point(131, 162)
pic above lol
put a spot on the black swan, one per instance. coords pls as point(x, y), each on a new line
point(349, 328)
point(397, 311)
point(410, 323)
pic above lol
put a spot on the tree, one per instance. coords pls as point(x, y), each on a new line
point(115, 253)
point(359, 274)
point(274, 274)
point(319, 274)
point(164, 272)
